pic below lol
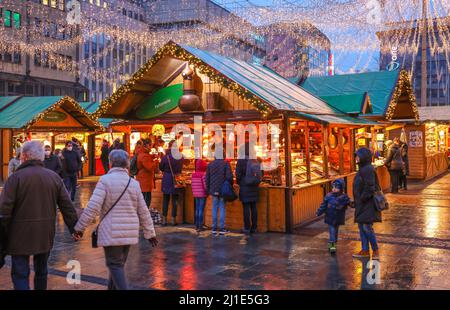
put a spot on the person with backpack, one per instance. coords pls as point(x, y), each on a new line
point(366, 213)
point(198, 183)
point(334, 206)
point(394, 162)
point(146, 171)
point(217, 173)
point(248, 177)
point(405, 171)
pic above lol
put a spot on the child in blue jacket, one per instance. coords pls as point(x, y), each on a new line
point(334, 206)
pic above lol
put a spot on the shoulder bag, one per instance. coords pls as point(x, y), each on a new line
point(381, 202)
point(227, 190)
point(94, 235)
point(178, 179)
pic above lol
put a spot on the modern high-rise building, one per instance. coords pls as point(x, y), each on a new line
point(401, 49)
point(51, 69)
point(296, 50)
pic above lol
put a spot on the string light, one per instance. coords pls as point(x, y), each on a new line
point(403, 86)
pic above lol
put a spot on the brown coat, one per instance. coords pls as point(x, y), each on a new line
point(28, 205)
point(146, 171)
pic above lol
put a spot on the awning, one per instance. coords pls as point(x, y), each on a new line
point(337, 120)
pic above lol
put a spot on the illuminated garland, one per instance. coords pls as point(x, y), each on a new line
point(172, 49)
point(404, 82)
point(57, 105)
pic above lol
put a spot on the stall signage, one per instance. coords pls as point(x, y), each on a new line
point(55, 117)
point(416, 138)
point(162, 101)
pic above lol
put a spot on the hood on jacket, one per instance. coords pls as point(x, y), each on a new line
point(200, 165)
point(339, 183)
point(365, 156)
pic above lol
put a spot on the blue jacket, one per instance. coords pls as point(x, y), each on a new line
point(167, 185)
point(334, 206)
point(217, 172)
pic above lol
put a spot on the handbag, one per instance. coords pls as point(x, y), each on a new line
point(178, 179)
point(381, 202)
point(227, 190)
point(94, 235)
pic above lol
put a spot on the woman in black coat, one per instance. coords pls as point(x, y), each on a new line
point(364, 186)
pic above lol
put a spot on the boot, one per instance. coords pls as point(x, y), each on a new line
point(174, 221)
point(376, 255)
point(362, 254)
point(164, 221)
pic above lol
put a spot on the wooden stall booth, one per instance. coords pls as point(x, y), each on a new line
point(52, 120)
point(385, 97)
point(428, 142)
point(181, 83)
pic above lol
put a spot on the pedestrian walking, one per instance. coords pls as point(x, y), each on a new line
point(248, 177)
point(334, 206)
point(405, 171)
point(52, 161)
point(118, 200)
point(366, 213)
point(83, 156)
point(171, 168)
point(28, 205)
point(217, 173)
point(198, 183)
point(104, 155)
point(146, 171)
point(14, 163)
point(394, 162)
point(117, 145)
point(71, 165)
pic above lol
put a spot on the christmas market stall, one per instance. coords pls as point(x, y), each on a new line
point(52, 120)
point(384, 97)
point(313, 139)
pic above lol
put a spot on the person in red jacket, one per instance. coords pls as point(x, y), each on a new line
point(146, 171)
point(198, 182)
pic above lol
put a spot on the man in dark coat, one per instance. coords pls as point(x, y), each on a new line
point(71, 165)
point(248, 193)
point(403, 183)
point(28, 205)
point(52, 161)
point(394, 162)
point(364, 186)
point(104, 156)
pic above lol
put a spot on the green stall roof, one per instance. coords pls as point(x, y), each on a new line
point(4, 101)
point(351, 103)
point(379, 85)
point(25, 110)
point(264, 83)
point(90, 107)
point(337, 119)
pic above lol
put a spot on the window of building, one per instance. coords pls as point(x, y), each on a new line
point(124, 11)
point(2, 88)
point(61, 5)
point(53, 4)
point(37, 58)
point(17, 58)
point(130, 14)
point(7, 18)
point(7, 57)
point(45, 2)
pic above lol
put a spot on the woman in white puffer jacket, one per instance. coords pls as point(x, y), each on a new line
point(120, 227)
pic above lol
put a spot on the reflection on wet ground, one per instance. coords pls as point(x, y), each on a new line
point(414, 241)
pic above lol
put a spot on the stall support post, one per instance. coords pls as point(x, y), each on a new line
point(308, 154)
point(325, 150)
point(126, 142)
point(53, 142)
point(91, 154)
point(289, 223)
point(352, 150)
point(341, 151)
point(6, 151)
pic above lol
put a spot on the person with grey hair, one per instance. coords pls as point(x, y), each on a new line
point(28, 206)
point(14, 163)
point(118, 201)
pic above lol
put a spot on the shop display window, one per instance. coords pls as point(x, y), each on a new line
point(435, 138)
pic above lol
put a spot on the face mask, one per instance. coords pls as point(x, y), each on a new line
point(47, 153)
point(69, 148)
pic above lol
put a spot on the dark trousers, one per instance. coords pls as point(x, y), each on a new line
point(334, 232)
point(166, 198)
point(395, 177)
point(70, 181)
point(403, 181)
point(20, 271)
point(105, 164)
point(250, 207)
point(147, 198)
point(116, 257)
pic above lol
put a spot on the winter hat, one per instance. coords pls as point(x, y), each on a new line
point(339, 184)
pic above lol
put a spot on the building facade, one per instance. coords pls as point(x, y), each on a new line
point(46, 68)
point(400, 48)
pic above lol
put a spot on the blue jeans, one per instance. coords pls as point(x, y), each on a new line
point(70, 181)
point(334, 231)
point(367, 235)
point(218, 203)
point(199, 209)
point(20, 271)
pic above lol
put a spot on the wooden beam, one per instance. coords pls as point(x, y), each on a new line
point(341, 151)
point(325, 150)
point(289, 218)
point(352, 150)
point(308, 154)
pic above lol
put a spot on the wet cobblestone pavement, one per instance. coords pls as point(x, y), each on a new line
point(414, 241)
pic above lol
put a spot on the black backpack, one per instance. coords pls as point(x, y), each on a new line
point(133, 166)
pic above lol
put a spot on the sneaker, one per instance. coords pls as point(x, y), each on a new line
point(215, 233)
point(376, 255)
point(333, 248)
point(245, 232)
point(223, 231)
point(361, 254)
